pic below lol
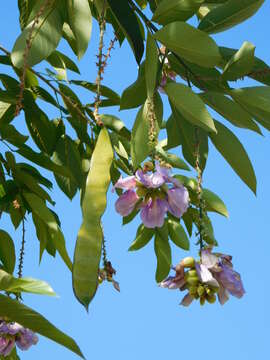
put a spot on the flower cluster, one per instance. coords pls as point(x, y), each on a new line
point(212, 275)
point(154, 193)
point(12, 334)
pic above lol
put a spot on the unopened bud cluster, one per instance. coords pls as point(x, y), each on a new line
point(13, 334)
point(206, 280)
point(107, 273)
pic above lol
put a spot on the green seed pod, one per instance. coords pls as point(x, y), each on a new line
point(211, 299)
point(192, 281)
point(192, 273)
point(193, 290)
point(188, 262)
point(200, 290)
point(202, 300)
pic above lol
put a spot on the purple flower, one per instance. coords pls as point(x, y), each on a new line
point(222, 270)
point(6, 345)
point(178, 201)
point(158, 193)
point(126, 202)
point(26, 339)
point(152, 214)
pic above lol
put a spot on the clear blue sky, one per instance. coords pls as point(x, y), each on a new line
point(144, 321)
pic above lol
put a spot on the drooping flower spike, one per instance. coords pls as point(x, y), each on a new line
point(212, 275)
point(12, 334)
point(154, 193)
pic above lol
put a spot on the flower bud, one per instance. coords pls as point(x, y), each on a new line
point(192, 273)
point(188, 262)
point(193, 290)
point(200, 290)
point(202, 300)
point(211, 299)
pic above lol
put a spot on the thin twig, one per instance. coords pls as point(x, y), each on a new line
point(22, 250)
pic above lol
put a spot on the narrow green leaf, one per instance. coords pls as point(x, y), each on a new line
point(234, 153)
point(163, 254)
point(80, 21)
point(45, 38)
point(241, 63)
point(114, 123)
point(40, 209)
point(151, 65)
point(31, 319)
point(230, 110)
point(7, 252)
point(172, 159)
point(66, 154)
point(135, 95)
point(214, 203)
point(193, 45)
point(178, 234)
point(190, 106)
point(230, 14)
point(129, 25)
point(256, 100)
point(88, 246)
point(33, 286)
point(143, 236)
point(175, 10)
point(104, 90)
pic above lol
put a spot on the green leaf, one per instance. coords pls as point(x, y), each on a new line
point(260, 71)
point(175, 10)
point(229, 14)
point(178, 234)
point(45, 37)
point(143, 236)
point(151, 65)
point(256, 101)
point(163, 253)
point(44, 237)
point(25, 8)
point(214, 203)
point(104, 90)
point(234, 153)
point(129, 25)
point(172, 159)
point(135, 94)
point(40, 209)
point(186, 133)
point(140, 145)
point(114, 123)
point(230, 110)
point(15, 311)
point(43, 160)
point(241, 63)
point(193, 45)
point(80, 22)
point(61, 62)
point(190, 106)
point(88, 246)
point(8, 132)
point(11, 284)
point(41, 129)
point(67, 154)
point(7, 252)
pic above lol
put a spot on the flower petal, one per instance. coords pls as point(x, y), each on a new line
point(26, 339)
point(187, 300)
point(231, 281)
point(205, 275)
point(126, 202)
point(127, 183)
point(223, 295)
point(209, 260)
point(178, 200)
point(152, 214)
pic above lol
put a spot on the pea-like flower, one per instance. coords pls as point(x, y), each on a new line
point(11, 334)
point(213, 274)
point(154, 193)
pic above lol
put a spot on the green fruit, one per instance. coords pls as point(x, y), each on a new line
point(200, 290)
point(188, 262)
point(211, 299)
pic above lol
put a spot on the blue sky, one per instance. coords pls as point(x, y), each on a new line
point(144, 321)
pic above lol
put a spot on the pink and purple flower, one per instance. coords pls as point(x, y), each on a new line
point(11, 334)
point(213, 274)
point(154, 194)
